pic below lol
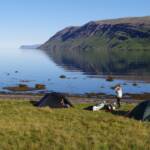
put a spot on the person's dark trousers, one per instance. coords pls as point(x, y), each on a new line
point(118, 102)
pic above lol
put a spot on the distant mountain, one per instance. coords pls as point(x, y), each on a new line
point(30, 46)
point(124, 33)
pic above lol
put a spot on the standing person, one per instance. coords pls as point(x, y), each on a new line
point(119, 93)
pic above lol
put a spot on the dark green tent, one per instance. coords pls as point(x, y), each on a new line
point(141, 111)
point(54, 100)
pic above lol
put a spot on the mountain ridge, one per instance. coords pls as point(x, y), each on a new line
point(134, 27)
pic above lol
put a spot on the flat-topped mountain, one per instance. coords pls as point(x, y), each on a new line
point(116, 33)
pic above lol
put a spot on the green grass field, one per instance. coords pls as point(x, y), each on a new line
point(23, 126)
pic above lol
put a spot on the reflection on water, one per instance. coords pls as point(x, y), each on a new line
point(82, 72)
point(104, 61)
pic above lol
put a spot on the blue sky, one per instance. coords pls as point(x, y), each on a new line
point(35, 21)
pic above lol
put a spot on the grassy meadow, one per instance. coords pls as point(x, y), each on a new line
point(23, 126)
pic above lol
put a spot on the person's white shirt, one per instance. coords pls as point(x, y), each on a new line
point(119, 92)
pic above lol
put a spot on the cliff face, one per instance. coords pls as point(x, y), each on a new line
point(125, 33)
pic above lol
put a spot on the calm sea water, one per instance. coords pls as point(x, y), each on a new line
point(36, 66)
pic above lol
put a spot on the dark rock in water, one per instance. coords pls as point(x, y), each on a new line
point(25, 80)
point(124, 83)
point(109, 78)
point(24, 87)
point(135, 84)
point(20, 87)
point(16, 71)
point(39, 86)
point(112, 87)
point(62, 76)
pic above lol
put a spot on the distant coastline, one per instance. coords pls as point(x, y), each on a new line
point(30, 46)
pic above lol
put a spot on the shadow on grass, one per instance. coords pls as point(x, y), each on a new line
point(34, 103)
point(120, 113)
point(90, 108)
point(115, 112)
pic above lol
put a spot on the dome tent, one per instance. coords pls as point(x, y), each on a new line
point(141, 111)
point(54, 100)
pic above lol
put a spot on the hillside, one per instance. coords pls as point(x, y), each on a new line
point(24, 126)
point(123, 43)
point(109, 33)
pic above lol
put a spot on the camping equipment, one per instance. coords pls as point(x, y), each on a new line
point(54, 100)
point(141, 111)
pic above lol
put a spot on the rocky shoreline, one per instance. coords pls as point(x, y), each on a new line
point(78, 98)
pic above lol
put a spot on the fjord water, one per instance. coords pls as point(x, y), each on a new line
point(26, 66)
